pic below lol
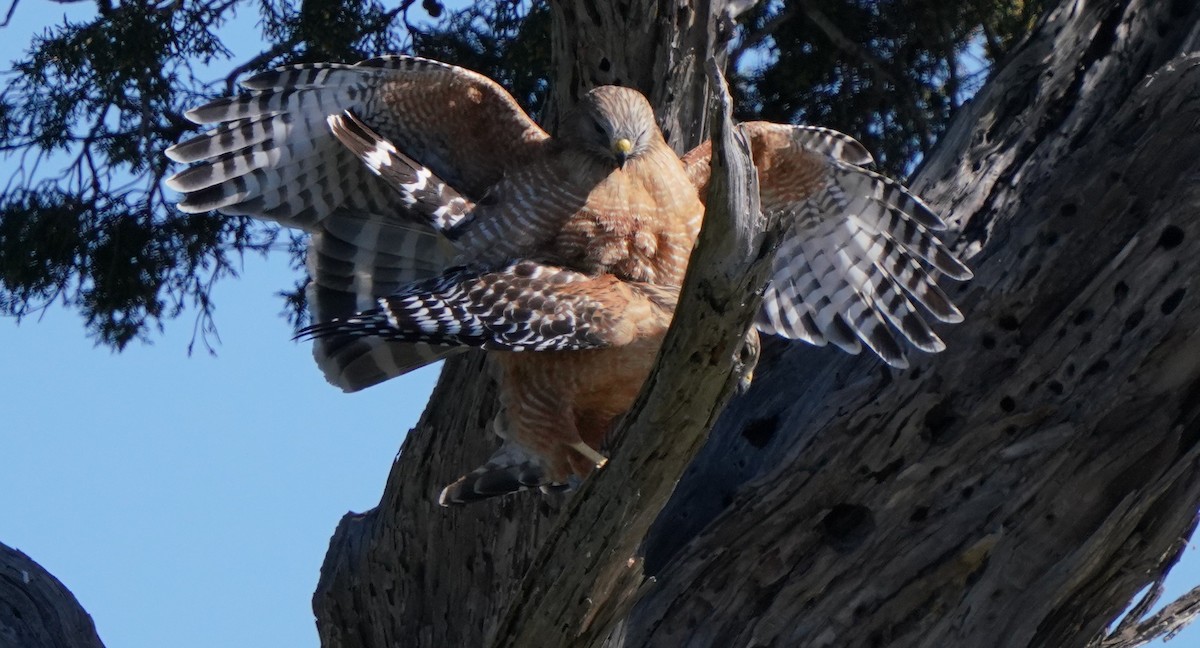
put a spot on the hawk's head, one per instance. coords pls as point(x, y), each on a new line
point(612, 123)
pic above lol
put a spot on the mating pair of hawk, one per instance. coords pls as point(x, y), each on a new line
point(442, 218)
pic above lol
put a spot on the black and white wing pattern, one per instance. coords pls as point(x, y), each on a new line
point(524, 306)
point(272, 154)
point(858, 251)
point(423, 193)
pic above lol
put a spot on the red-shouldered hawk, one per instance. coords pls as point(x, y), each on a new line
point(443, 218)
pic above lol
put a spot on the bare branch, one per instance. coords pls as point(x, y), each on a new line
point(1168, 622)
point(12, 8)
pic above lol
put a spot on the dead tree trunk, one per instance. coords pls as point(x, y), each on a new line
point(1015, 490)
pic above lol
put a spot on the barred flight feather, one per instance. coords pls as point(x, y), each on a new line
point(831, 143)
point(510, 469)
point(353, 261)
point(855, 250)
point(525, 306)
point(422, 191)
point(271, 154)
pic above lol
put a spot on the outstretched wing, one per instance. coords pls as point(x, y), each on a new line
point(272, 155)
point(857, 249)
point(525, 306)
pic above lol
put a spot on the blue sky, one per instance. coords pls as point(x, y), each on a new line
point(189, 501)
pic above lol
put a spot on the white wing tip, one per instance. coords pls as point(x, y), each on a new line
point(190, 209)
point(173, 183)
point(172, 155)
point(935, 346)
point(193, 115)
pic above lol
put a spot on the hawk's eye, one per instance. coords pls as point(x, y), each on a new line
point(599, 129)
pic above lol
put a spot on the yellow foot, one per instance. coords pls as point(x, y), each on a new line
point(591, 455)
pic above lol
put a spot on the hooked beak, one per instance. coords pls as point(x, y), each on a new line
point(621, 149)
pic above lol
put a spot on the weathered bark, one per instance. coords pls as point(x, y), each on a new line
point(38, 611)
point(1015, 490)
point(1020, 488)
point(1136, 629)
